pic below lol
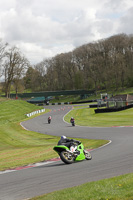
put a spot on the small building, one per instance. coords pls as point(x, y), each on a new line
point(120, 100)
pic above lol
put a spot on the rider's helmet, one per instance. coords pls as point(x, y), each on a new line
point(72, 118)
point(63, 137)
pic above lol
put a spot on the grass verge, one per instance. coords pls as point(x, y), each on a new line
point(87, 117)
point(117, 188)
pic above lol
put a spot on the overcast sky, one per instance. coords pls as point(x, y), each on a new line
point(44, 28)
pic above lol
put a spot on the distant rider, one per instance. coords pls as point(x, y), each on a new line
point(49, 119)
point(70, 143)
point(72, 120)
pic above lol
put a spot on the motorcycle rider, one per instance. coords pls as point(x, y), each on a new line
point(72, 119)
point(49, 118)
point(70, 143)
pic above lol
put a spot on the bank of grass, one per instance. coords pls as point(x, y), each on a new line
point(19, 147)
point(117, 188)
point(87, 117)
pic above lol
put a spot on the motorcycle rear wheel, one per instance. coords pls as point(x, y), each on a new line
point(87, 155)
point(66, 157)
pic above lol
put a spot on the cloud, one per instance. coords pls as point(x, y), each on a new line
point(126, 22)
point(44, 28)
point(36, 52)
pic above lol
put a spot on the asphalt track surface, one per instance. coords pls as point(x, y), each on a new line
point(109, 161)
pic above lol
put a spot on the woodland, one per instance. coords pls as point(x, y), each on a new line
point(106, 64)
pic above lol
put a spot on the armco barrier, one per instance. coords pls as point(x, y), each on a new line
point(79, 102)
point(74, 102)
point(59, 103)
point(96, 105)
point(104, 110)
point(35, 112)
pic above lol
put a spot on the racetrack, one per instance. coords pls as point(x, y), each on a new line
point(112, 160)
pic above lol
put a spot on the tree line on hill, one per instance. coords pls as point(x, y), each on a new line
point(105, 64)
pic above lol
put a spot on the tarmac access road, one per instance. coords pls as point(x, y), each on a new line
point(109, 161)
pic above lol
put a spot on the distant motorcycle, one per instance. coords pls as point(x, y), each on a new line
point(49, 120)
point(69, 157)
point(72, 121)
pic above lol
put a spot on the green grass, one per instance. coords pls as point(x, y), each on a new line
point(87, 117)
point(117, 188)
point(19, 147)
point(15, 110)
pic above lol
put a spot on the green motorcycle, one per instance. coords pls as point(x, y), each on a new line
point(69, 157)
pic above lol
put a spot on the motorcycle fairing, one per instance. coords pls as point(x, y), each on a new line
point(60, 148)
point(80, 148)
point(81, 156)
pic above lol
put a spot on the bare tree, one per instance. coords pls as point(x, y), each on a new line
point(2, 55)
point(14, 68)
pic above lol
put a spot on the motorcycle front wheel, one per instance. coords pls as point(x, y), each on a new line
point(87, 155)
point(66, 157)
